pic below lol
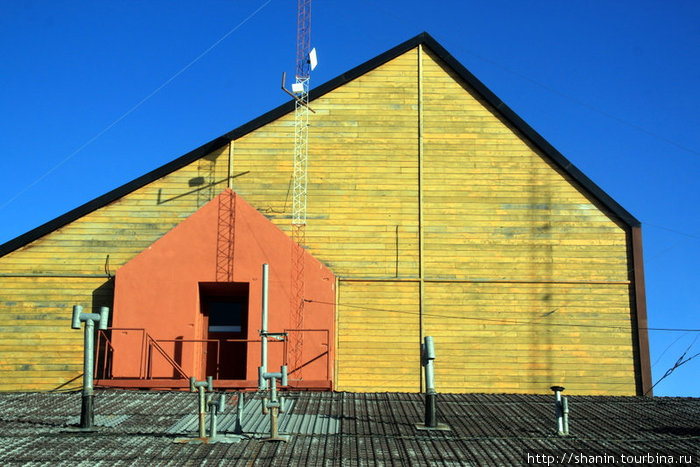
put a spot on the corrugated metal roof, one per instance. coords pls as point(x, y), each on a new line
point(347, 429)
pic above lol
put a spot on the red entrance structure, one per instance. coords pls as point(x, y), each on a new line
point(190, 305)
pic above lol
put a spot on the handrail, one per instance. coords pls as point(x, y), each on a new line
point(108, 349)
point(326, 353)
point(212, 340)
point(153, 343)
point(148, 343)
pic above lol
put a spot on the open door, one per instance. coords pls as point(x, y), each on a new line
point(224, 307)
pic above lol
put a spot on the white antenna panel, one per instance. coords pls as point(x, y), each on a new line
point(313, 61)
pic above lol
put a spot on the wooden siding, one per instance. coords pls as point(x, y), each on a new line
point(361, 208)
point(377, 328)
point(40, 283)
point(507, 236)
point(496, 209)
point(526, 337)
point(500, 215)
point(38, 349)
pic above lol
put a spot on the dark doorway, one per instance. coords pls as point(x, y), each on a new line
point(224, 308)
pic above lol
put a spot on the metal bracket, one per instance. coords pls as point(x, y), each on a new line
point(284, 78)
point(280, 336)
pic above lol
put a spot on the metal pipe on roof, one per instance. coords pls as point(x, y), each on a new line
point(559, 404)
point(262, 382)
point(427, 357)
point(202, 413)
point(214, 408)
point(239, 414)
point(430, 393)
point(87, 407)
point(200, 387)
point(275, 405)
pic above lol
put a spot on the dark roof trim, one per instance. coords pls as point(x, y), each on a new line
point(549, 150)
point(423, 38)
point(640, 332)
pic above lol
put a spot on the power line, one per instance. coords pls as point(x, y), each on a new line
point(688, 236)
point(681, 361)
point(668, 347)
point(685, 234)
point(552, 90)
point(503, 320)
point(133, 108)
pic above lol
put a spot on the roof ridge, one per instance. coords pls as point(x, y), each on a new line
point(423, 38)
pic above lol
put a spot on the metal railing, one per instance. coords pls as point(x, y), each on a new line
point(326, 344)
point(148, 347)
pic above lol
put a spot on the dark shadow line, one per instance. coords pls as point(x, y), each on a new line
point(200, 188)
point(309, 362)
point(57, 388)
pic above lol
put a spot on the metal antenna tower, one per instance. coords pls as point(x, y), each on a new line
point(305, 62)
point(301, 116)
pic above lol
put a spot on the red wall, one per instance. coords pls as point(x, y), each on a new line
point(226, 240)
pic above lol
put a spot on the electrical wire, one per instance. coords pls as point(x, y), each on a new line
point(681, 361)
point(668, 347)
point(133, 108)
point(572, 99)
point(501, 320)
point(673, 245)
point(685, 234)
point(538, 322)
point(549, 88)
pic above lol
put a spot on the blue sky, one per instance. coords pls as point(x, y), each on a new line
point(95, 94)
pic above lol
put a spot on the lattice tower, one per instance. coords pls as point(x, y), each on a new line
point(300, 182)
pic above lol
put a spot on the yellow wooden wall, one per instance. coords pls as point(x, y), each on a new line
point(523, 245)
point(518, 264)
point(378, 337)
point(40, 283)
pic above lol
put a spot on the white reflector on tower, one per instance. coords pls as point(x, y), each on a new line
point(297, 88)
point(313, 61)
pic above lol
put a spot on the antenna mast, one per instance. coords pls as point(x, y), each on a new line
point(301, 115)
point(305, 62)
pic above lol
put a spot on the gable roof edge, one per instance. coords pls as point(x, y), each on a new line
point(532, 135)
point(283, 109)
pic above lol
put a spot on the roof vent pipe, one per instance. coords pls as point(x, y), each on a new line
point(427, 357)
point(215, 406)
point(561, 405)
point(275, 405)
point(240, 405)
point(430, 393)
point(87, 412)
point(201, 386)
